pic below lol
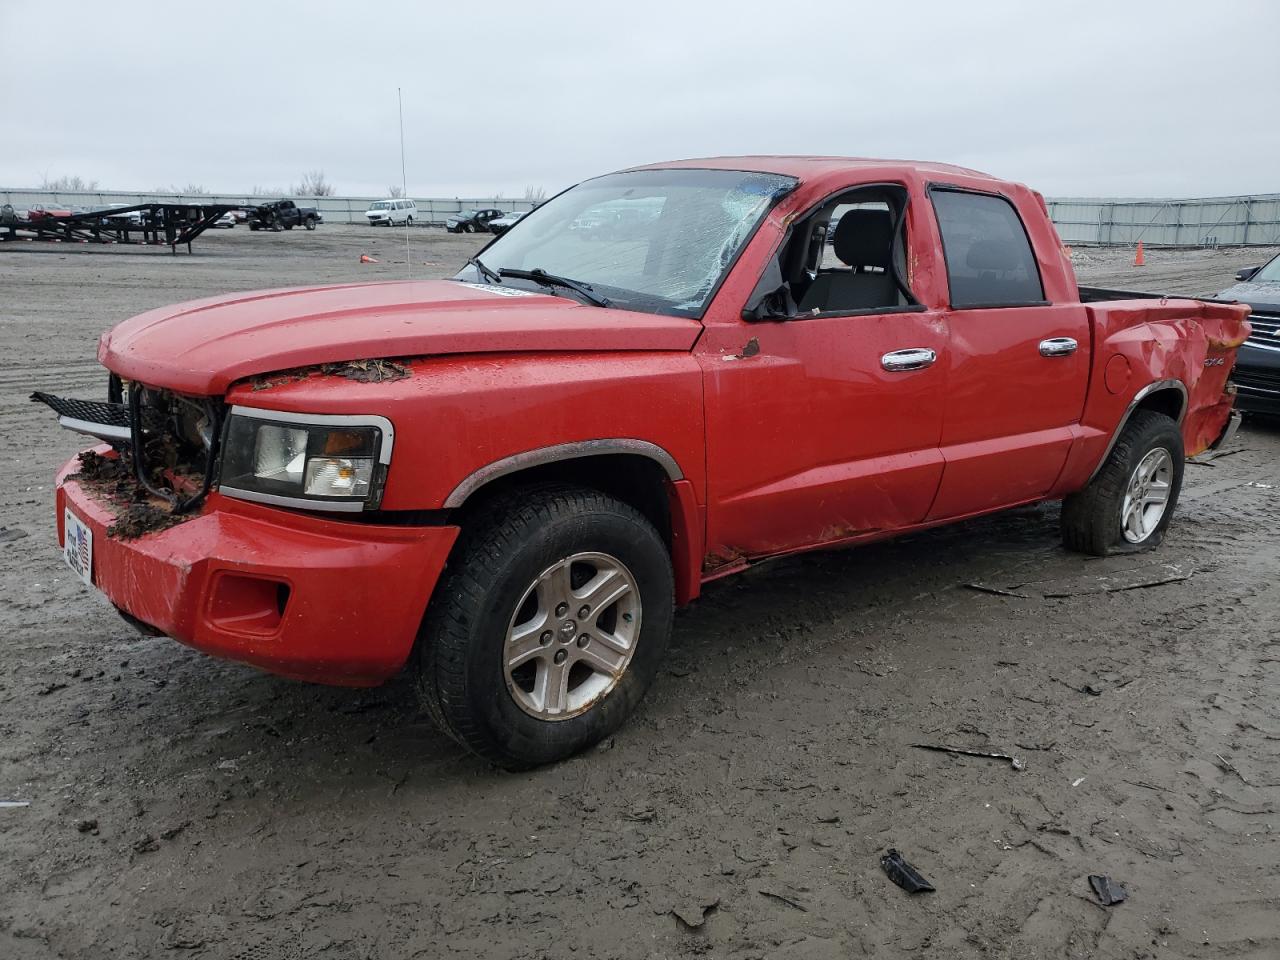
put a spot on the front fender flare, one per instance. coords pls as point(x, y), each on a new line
point(561, 451)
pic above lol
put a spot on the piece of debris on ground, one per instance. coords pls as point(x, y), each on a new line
point(1107, 891)
point(904, 874)
point(1014, 762)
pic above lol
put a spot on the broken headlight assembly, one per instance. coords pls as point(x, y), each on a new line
point(313, 461)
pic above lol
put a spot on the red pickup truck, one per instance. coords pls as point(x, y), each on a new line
point(510, 479)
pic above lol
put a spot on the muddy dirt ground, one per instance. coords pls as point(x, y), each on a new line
point(183, 806)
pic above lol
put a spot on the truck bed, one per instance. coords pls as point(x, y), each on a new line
point(1105, 294)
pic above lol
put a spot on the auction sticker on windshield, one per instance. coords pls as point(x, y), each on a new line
point(77, 546)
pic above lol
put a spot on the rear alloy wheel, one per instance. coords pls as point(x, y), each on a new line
point(310, 223)
point(1147, 498)
point(1129, 503)
point(548, 626)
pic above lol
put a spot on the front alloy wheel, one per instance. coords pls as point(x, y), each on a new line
point(548, 626)
point(572, 636)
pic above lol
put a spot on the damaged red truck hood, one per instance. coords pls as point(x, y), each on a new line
point(204, 346)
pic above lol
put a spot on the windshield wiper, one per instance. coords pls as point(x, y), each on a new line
point(551, 280)
point(485, 272)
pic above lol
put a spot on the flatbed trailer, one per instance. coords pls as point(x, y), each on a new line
point(167, 224)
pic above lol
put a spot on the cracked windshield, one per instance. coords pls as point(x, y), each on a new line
point(650, 240)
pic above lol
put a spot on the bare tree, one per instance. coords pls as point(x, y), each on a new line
point(190, 190)
point(536, 194)
point(67, 183)
point(260, 191)
point(313, 185)
point(394, 192)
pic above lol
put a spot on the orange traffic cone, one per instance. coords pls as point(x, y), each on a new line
point(365, 258)
point(1139, 260)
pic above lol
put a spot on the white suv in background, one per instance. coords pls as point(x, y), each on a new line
point(391, 212)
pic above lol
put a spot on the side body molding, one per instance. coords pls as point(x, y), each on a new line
point(562, 451)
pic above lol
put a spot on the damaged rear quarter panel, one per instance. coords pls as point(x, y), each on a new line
point(1190, 341)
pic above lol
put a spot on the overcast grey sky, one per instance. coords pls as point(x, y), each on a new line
point(1075, 98)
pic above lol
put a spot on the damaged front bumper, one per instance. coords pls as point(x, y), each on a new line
point(302, 596)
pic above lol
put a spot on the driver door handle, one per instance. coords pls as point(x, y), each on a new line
point(913, 358)
point(1057, 347)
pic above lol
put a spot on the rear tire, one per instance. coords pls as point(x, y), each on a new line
point(1128, 506)
point(508, 597)
point(310, 223)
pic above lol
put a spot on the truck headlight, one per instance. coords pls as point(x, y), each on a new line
point(314, 461)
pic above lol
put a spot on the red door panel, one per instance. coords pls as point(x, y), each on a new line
point(1010, 409)
point(809, 439)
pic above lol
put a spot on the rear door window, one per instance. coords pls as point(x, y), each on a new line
point(990, 262)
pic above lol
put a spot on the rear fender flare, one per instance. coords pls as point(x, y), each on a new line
point(1152, 388)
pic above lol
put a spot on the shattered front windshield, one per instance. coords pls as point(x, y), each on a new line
point(650, 240)
point(380, 205)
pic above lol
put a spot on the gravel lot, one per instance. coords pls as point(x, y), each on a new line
point(185, 806)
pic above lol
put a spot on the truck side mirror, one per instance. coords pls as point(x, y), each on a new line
point(1247, 273)
point(771, 299)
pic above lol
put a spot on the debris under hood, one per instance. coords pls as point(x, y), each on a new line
point(367, 371)
point(362, 371)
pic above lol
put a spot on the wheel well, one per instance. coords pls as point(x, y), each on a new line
point(1168, 401)
point(634, 479)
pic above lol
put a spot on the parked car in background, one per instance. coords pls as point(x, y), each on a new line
point(472, 221)
point(283, 215)
point(505, 222)
point(389, 212)
point(133, 217)
point(38, 211)
point(1257, 373)
point(226, 221)
point(550, 451)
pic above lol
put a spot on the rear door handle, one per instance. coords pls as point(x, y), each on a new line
point(915, 358)
point(1058, 347)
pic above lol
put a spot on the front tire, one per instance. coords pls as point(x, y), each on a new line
point(1128, 506)
point(548, 627)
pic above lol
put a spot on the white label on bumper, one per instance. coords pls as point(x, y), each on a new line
point(77, 546)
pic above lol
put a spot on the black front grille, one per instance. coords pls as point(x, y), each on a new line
point(1266, 330)
point(169, 442)
point(90, 411)
point(1253, 378)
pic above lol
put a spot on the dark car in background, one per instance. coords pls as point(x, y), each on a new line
point(1257, 373)
point(283, 215)
point(472, 221)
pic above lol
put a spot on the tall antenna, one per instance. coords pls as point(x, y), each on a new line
point(404, 190)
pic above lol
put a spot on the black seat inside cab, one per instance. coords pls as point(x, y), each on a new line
point(863, 241)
